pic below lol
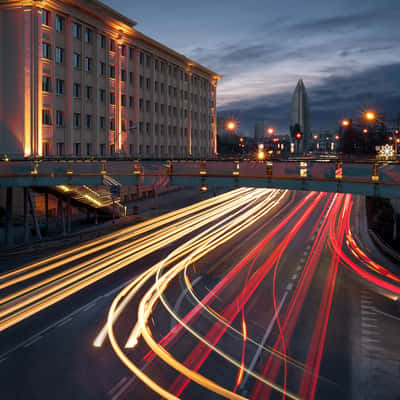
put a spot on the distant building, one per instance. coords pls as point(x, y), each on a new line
point(300, 116)
point(260, 129)
point(78, 79)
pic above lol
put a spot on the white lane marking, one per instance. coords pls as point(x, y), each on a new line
point(90, 306)
point(289, 287)
point(294, 277)
point(369, 339)
point(32, 341)
point(305, 253)
point(265, 338)
point(121, 382)
point(298, 268)
point(302, 259)
point(387, 315)
point(55, 324)
point(3, 359)
point(180, 300)
point(64, 322)
point(308, 247)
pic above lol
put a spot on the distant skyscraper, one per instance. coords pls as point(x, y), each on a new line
point(300, 116)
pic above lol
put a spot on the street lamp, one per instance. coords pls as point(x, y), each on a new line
point(231, 126)
point(270, 131)
point(370, 116)
point(365, 131)
point(346, 123)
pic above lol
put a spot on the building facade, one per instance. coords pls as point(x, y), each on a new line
point(78, 79)
point(300, 117)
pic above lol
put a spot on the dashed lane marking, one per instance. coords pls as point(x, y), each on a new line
point(289, 286)
point(32, 341)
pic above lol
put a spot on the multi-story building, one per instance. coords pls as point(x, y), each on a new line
point(78, 79)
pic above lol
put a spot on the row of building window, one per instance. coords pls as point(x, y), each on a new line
point(142, 150)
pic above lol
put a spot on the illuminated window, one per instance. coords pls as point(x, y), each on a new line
point(46, 51)
point(76, 30)
point(76, 120)
point(46, 84)
point(60, 119)
point(59, 55)
point(45, 17)
point(59, 86)
point(60, 22)
point(46, 117)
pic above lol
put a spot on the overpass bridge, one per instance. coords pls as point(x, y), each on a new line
point(372, 178)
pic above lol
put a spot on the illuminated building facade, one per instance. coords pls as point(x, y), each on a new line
point(78, 79)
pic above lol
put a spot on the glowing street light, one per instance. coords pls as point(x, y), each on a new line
point(231, 126)
point(370, 116)
point(337, 137)
point(345, 123)
point(365, 131)
point(270, 131)
point(315, 137)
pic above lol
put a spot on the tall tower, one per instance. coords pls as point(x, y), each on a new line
point(300, 116)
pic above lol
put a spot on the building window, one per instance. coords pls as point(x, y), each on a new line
point(141, 80)
point(88, 35)
point(59, 119)
point(46, 51)
point(60, 21)
point(102, 41)
point(140, 104)
point(112, 98)
point(123, 125)
point(102, 149)
point(46, 117)
point(89, 92)
point(131, 105)
point(102, 68)
point(77, 149)
point(156, 107)
point(59, 86)
point(76, 90)
point(76, 123)
point(162, 108)
point(131, 148)
point(88, 64)
point(131, 52)
point(140, 127)
point(112, 45)
point(123, 50)
point(102, 95)
point(156, 129)
point(46, 84)
point(60, 149)
point(123, 100)
point(147, 105)
point(112, 71)
point(88, 149)
point(148, 60)
point(112, 124)
point(59, 55)
point(123, 75)
point(102, 122)
point(162, 88)
point(162, 67)
point(148, 126)
point(131, 126)
point(155, 65)
point(148, 83)
point(76, 60)
point(131, 78)
point(45, 17)
point(88, 121)
point(141, 58)
point(76, 30)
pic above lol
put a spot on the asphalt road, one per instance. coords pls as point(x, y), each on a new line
point(281, 303)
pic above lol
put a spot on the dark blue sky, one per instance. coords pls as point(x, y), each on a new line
point(346, 51)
